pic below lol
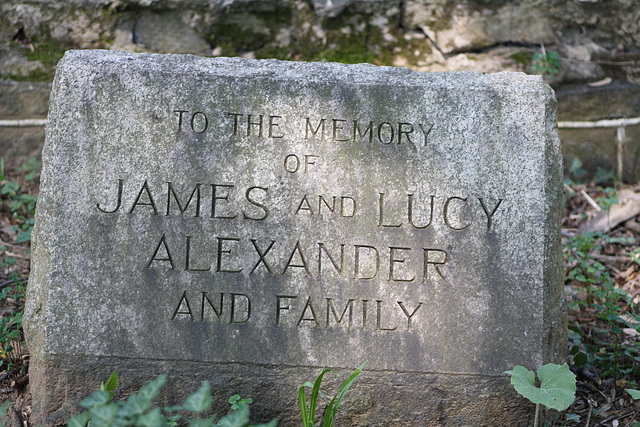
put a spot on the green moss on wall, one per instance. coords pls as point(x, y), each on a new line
point(522, 57)
point(48, 53)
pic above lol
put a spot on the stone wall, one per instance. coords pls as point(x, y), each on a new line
point(594, 40)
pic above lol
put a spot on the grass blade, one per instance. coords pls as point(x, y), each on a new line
point(314, 394)
point(303, 407)
point(332, 409)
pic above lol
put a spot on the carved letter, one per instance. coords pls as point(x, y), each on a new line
point(193, 119)
point(357, 262)
point(380, 133)
point(364, 313)
point(250, 123)
point(331, 208)
point(145, 187)
point(425, 132)
point(218, 312)
point(119, 201)
point(177, 310)
point(435, 264)
point(286, 161)
point(342, 207)
point(171, 191)
point(272, 125)
point(215, 197)
point(445, 214)
point(280, 308)
point(180, 113)
point(304, 262)
point(405, 132)
point(409, 316)
point(336, 128)
point(332, 309)
point(262, 255)
point(393, 260)
point(486, 212)
point(304, 201)
point(321, 247)
point(379, 318)
point(381, 219)
point(188, 259)
point(253, 202)
point(221, 240)
point(313, 314)
point(410, 213)
point(310, 128)
point(162, 243)
point(235, 122)
point(308, 162)
point(368, 130)
point(247, 313)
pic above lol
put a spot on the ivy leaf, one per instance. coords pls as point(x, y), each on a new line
point(199, 401)
point(153, 418)
point(79, 420)
point(103, 415)
point(95, 399)
point(235, 419)
point(23, 236)
point(557, 389)
point(151, 390)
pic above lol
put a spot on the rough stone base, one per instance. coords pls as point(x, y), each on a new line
point(415, 399)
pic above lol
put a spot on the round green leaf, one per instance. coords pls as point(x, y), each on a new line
point(635, 394)
point(557, 389)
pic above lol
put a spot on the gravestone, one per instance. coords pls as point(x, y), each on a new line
point(248, 222)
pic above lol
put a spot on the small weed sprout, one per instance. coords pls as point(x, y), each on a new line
point(332, 406)
point(546, 63)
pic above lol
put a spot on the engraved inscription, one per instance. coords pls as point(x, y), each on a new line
point(214, 257)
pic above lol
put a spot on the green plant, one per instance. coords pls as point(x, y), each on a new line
point(11, 339)
point(19, 200)
point(138, 410)
point(609, 303)
point(557, 389)
point(111, 385)
point(576, 172)
point(308, 417)
point(546, 63)
point(4, 409)
point(238, 403)
point(635, 394)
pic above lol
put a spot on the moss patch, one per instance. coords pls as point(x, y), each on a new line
point(244, 31)
point(522, 57)
point(348, 38)
point(48, 54)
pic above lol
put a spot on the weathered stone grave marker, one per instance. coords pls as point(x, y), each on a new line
point(247, 222)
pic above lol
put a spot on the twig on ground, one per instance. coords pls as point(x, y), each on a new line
point(590, 200)
point(569, 189)
point(3, 243)
point(612, 258)
point(17, 421)
point(589, 414)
